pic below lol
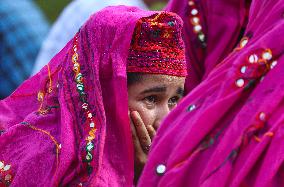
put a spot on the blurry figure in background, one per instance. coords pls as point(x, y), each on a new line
point(156, 4)
point(22, 30)
point(69, 22)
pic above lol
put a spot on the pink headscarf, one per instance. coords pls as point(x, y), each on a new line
point(211, 31)
point(68, 124)
point(229, 130)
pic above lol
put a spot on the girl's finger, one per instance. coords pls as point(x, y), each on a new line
point(141, 131)
point(151, 132)
point(137, 147)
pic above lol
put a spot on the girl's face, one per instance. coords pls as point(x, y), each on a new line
point(154, 96)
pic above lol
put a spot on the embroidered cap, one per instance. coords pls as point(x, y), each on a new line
point(157, 46)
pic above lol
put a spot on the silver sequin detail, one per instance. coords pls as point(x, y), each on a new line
point(240, 83)
point(161, 169)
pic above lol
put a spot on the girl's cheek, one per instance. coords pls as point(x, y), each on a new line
point(147, 116)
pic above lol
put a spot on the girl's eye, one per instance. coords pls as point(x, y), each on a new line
point(173, 101)
point(150, 99)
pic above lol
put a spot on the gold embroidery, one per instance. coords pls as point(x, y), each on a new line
point(58, 146)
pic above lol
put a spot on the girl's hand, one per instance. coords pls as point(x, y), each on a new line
point(142, 136)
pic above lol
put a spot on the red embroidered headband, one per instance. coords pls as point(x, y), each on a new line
point(157, 46)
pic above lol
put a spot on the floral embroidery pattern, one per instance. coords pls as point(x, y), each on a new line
point(257, 65)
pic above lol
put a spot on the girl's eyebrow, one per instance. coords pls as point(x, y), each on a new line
point(180, 91)
point(155, 89)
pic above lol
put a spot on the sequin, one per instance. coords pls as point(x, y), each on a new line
point(253, 58)
point(194, 12)
point(262, 116)
point(1, 165)
point(240, 83)
point(89, 157)
point(75, 48)
point(244, 42)
point(85, 106)
point(75, 57)
point(273, 64)
point(267, 55)
point(243, 69)
point(90, 115)
point(197, 28)
point(79, 78)
point(191, 107)
point(161, 169)
point(76, 67)
point(190, 3)
point(8, 177)
point(40, 96)
point(80, 87)
point(201, 37)
point(92, 124)
point(90, 146)
point(195, 20)
point(7, 167)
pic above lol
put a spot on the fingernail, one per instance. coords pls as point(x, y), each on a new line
point(134, 112)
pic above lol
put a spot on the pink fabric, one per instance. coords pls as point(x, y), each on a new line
point(222, 22)
point(227, 132)
point(45, 116)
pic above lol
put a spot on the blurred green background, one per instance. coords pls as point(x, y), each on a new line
point(52, 8)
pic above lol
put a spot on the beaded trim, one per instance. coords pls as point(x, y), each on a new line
point(194, 19)
point(79, 79)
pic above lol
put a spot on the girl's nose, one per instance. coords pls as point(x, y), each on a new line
point(161, 114)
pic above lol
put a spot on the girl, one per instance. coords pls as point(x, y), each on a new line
point(69, 124)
